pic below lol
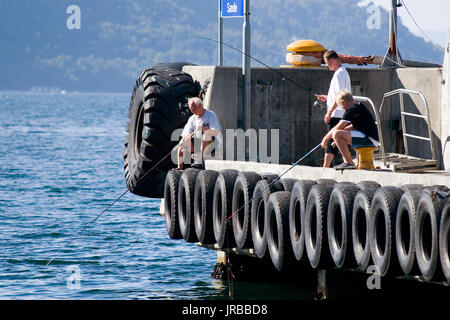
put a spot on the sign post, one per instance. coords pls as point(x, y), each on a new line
point(246, 65)
point(220, 35)
point(238, 9)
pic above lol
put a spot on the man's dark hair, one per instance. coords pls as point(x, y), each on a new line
point(330, 54)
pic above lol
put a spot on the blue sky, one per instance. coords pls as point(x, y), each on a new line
point(430, 15)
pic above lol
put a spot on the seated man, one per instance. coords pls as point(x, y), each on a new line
point(201, 126)
point(356, 128)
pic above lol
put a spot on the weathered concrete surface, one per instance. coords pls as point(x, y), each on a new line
point(224, 94)
point(428, 81)
point(384, 178)
point(445, 107)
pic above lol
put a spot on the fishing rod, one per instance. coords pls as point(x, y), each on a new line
point(283, 77)
point(79, 233)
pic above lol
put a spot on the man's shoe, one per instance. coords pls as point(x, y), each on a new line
point(344, 166)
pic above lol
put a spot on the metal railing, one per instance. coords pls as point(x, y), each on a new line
point(426, 117)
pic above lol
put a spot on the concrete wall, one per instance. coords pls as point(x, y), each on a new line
point(445, 107)
point(428, 82)
point(283, 99)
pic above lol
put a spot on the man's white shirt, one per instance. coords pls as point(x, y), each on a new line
point(340, 81)
point(209, 118)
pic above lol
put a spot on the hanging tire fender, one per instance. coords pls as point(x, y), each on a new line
point(339, 222)
point(171, 204)
point(277, 229)
point(316, 238)
point(261, 195)
point(360, 227)
point(222, 208)
point(383, 213)
point(297, 207)
point(203, 203)
point(186, 189)
point(241, 206)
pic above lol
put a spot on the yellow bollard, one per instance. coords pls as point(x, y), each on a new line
point(365, 157)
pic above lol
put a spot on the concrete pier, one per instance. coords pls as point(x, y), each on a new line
point(282, 98)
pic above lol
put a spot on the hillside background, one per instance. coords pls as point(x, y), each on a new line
point(118, 38)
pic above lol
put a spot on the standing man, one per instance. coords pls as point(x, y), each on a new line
point(340, 81)
point(357, 128)
point(202, 126)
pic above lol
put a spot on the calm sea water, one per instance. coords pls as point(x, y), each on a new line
point(61, 165)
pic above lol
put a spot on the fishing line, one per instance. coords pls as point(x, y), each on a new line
point(230, 274)
point(259, 61)
point(275, 180)
point(78, 234)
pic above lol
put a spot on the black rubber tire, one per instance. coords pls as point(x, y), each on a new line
point(412, 186)
point(444, 240)
point(242, 206)
point(405, 231)
point(154, 114)
point(277, 230)
point(222, 208)
point(269, 177)
point(327, 181)
point(288, 184)
point(360, 227)
point(368, 185)
point(383, 214)
point(428, 219)
point(345, 183)
point(203, 195)
point(261, 195)
point(171, 204)
point(339, 224)
point(172, 65)
point(316, 238)
point(186, 189)
point(297, 207)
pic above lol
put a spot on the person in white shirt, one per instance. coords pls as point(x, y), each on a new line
point(201, 126)
point(340, 81)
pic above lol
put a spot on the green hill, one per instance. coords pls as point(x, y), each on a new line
point(118, 38)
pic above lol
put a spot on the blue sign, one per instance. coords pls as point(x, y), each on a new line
point(232, 8)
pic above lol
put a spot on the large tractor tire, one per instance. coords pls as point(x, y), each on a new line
point(158, 106)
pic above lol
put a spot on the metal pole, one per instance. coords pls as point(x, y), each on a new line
point(220, 34)
point(392, 53)
point(402, 114)
point(393, 29)
point(246, 65)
